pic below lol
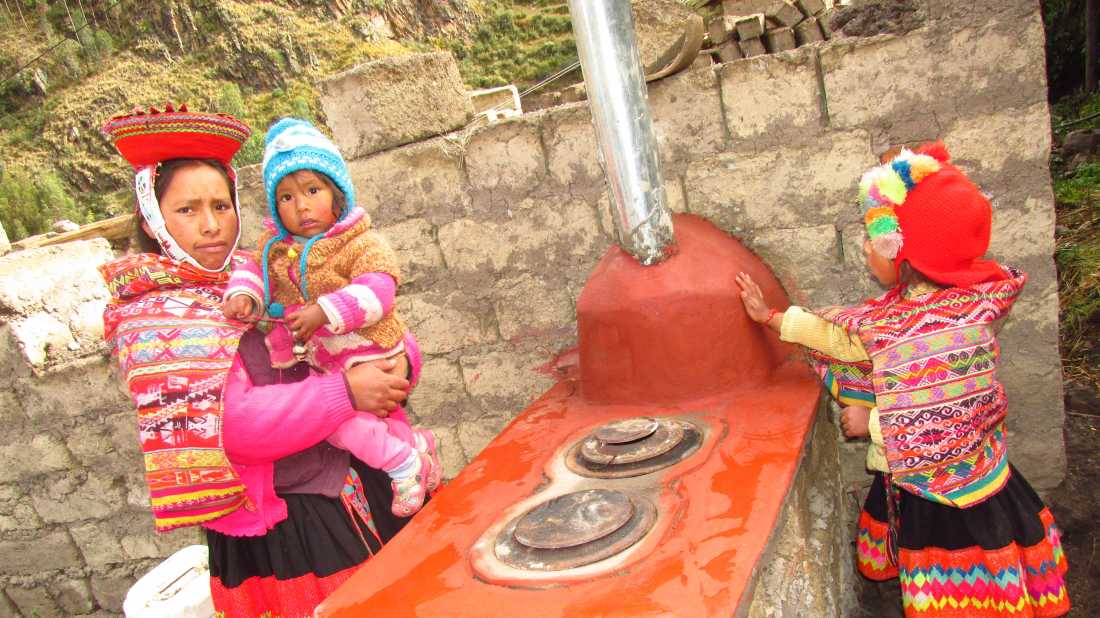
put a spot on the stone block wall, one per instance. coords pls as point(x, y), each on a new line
point(498, 228)
point(807, 569)
point(75, 530)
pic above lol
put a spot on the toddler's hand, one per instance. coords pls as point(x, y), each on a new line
point(238, 307)
point(854, 421)
point(304, 321)
point(753, 298)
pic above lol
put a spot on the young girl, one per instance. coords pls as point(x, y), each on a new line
point(327, 283)
point(947, 514)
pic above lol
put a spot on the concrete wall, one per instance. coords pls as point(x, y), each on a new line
point(498, 229)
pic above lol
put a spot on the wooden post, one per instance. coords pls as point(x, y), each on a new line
point(20, 9)
point(84, 14)
point(72, 23)
point(1092, 43)
point(95, 22)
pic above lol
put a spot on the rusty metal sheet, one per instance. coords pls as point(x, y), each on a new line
point(511, 552)
point(574, 519)
point(668, 435)
point(627, 430)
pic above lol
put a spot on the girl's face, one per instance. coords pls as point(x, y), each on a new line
point(304, 201)
point(882, 268)
point(198, 212)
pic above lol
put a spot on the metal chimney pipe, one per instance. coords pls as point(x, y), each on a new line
point(608, 48)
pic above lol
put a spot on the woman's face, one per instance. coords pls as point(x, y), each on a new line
point(198, 211)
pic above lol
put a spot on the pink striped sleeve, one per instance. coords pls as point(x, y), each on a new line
point(264, 423)
point(360, 303)
point(248, 279)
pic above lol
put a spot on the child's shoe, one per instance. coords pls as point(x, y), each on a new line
point(408, 494)
point(426, 442)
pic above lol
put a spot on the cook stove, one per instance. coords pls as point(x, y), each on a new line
point(647, 481)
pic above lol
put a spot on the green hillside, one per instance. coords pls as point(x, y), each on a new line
point(85, 60)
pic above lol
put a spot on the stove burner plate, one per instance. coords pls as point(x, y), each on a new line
point(515, 554)
point(626, 430)
point(673, 441)
point(574, 519)
point(660, 442)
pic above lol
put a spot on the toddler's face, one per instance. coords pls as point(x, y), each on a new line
point(881, 267)
point(304, 201)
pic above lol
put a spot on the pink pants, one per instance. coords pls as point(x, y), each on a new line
point(381, 443)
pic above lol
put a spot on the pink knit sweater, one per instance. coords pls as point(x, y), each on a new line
point(262, 424)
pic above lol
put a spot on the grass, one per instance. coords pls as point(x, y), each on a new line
point(1077, 246)
point(271, 53)
point(518, 42)
point(257, 60)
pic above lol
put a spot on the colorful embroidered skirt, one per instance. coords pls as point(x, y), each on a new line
point(1000, 557)
point(290, 570)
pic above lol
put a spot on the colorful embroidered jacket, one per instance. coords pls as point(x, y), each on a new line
point(933, 376)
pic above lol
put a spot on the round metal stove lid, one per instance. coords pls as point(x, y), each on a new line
point(574, 519)
point(626, 430)
point(667, 436)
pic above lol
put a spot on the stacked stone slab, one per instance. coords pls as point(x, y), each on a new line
point(395, 100)
point(748, 28)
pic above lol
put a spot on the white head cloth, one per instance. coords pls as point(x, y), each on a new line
point(150, 212)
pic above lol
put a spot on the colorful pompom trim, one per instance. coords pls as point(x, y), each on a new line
point(885, 187)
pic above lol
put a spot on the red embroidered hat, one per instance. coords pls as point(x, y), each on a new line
point(945, 221)
point(146, 138)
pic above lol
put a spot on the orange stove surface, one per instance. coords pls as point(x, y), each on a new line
point(670, 340)
point(719, 508)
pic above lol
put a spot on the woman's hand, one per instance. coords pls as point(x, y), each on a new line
point(755, 307)
point(238, 307)
point(374, 389)
point(854, 420)
point(395, 366)
point(304, 321)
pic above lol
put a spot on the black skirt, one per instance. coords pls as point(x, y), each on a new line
point(300, 561)
point(999, 557)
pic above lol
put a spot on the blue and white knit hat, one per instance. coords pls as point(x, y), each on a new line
point(293, 144)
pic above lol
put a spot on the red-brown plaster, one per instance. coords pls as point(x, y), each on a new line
point(670, 339)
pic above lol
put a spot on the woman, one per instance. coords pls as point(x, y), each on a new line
point(229, 443)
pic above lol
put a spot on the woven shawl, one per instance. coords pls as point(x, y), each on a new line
point(933, 376)
point(174, 349)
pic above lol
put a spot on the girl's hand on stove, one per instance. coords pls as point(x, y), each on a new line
point(755, 306)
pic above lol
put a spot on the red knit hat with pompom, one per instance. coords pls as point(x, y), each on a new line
point(945, 222)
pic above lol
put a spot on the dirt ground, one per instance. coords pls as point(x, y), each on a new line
point(1076, 501)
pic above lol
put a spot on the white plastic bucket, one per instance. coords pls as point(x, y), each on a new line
point(179, 587)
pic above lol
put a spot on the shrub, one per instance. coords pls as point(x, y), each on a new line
point(29, 204)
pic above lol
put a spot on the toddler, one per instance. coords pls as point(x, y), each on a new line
point(327, 282)
point(917, 369)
